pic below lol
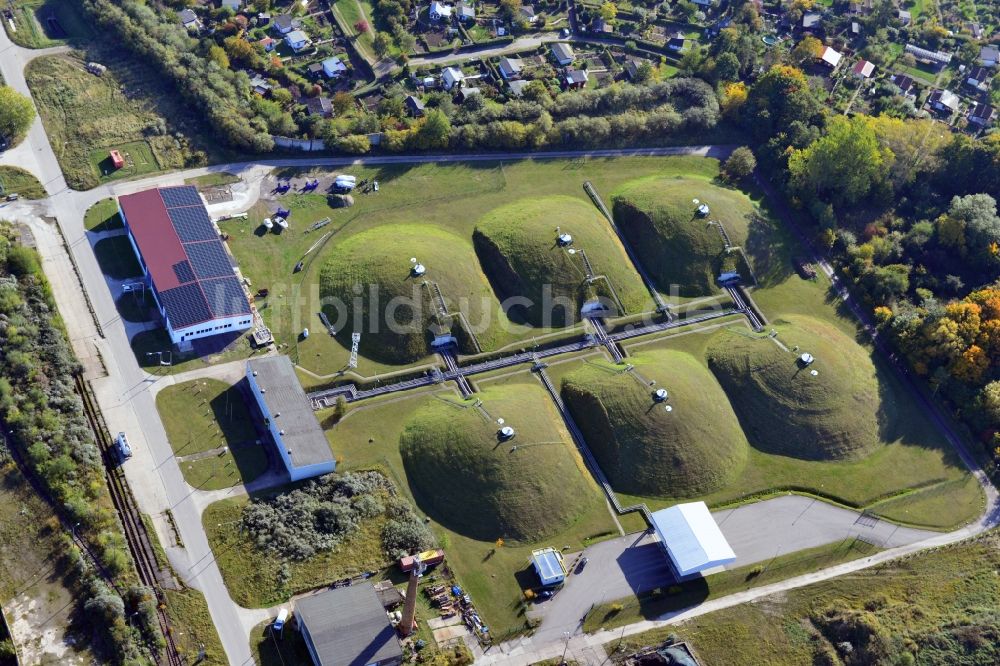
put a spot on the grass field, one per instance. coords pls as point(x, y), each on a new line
point(147, 346)
point(213, 179)
point(85, 116)
point(45, 23)
point(656, 603)
point(455, 197)
point(783, 407)
point(680, 250)
point(494, 577)
point(516, 245)
point(521, 490)
point(933, 608)
point(379, 261)
point(103, 216)
point(202, 417)
point(632, 435)
point(17, 180)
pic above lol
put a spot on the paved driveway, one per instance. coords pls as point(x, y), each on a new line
point(757, 532)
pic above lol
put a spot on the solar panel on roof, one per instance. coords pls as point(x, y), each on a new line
point(192, 224)
point(182, 269)
point(185, 305)
point(186, 195)
point(225, 297)
point(209, 259)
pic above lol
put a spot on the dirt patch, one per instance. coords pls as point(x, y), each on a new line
point(39, 624)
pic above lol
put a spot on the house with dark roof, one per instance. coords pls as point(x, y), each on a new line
point(863, 69)
point(347, 626)
point(319, 106)
point(185, 265)
point(285, 23)
point(981, 114)
point(189, 20)
point(978, 78)
point(576, 78)
point(414, 106)
point(676, 41)
point(510, 68)
point(907, 87)
point(289, 417)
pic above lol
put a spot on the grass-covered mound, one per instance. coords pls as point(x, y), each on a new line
point(645, 450)
point(675, 246)
point(517, 247)
point(783, 407)
point(378, 259)
point(474, 484)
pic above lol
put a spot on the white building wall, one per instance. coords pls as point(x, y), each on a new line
point(207, 328)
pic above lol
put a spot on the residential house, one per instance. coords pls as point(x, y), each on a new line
point(904, 17)
point(234, 5)
point(260, 85)
point(314, 69)
point(989, 56)
point(189, 20)
point(346, 626)
point(632, 68)
point(934, 58)
point(943, 101)
point(297, 40)
point(705, 3)
point(414, 106)
point(268, 44)
point(864, 69)
point(976, 30)
point(676, 42)
point(263, 18)
point(855, 29)
point(576, 78)
point(510, 68)
point(978, 78)
point(465, 93)
point(905, 83)
point(466, 13)
point(981, 114)
point(602, 27)
point(440, 11)
point(812, 21)
point(563, 53)
point(319, 106)
point(334, 67)
point(285, 23)
point(451, 77)
point(830, 57)
point(527, 13)
point(517, 87)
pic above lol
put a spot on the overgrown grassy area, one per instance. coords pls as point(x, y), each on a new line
point(103, 216)
point(202, 417)
point(148, 345)
point(23, 183)
point(86, 116)
point(633, 436)
point(215, 179)
point(522, 489)
point(518, 249)
point(258, 579)
point(117, 258)
point(658, 602)
point(42, 24)
point(827, 410)
point(933, 608)
point(680, 249)
point(33, 592)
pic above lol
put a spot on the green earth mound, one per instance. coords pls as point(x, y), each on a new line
point(473, 483)
point(367, 284)
point(518, 249)
point(787, 410)
point(695, 448)
point(677, 247)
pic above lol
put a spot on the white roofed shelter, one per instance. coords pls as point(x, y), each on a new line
point(693, 541)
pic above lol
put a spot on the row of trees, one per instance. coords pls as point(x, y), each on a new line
point(43, 414)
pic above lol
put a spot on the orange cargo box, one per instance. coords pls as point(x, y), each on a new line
point(428, 557)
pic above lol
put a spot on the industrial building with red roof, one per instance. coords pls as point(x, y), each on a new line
point(187, 268)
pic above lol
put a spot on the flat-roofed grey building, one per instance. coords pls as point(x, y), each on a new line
point(289, 417)
point(348, 626)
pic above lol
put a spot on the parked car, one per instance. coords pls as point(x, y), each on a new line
point(122, 445)
point(279, 622)
point(581, 564)
point(545, 595)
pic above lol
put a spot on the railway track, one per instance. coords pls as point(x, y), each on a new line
point(135, 530)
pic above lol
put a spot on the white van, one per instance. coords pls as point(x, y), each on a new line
point(122, 445)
